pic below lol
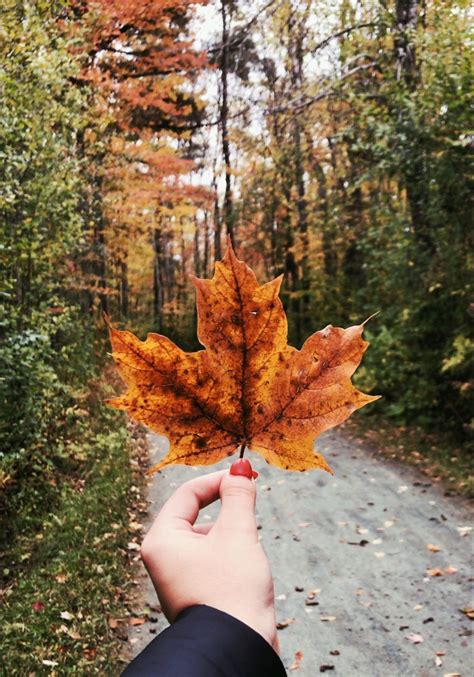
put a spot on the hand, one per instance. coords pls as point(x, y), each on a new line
point(221, 565)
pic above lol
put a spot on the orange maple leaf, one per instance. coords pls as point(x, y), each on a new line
point(248, 388)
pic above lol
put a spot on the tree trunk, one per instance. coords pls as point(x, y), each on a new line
point(406, 12)
point(415, 174)
point(228, 200)
point(328, 235)
point(124, 288)
point(158, 279)
point(217, 223)
point(100, 262)
point(197, 254)
point(205, 263)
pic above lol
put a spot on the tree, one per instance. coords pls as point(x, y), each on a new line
point(141, 60)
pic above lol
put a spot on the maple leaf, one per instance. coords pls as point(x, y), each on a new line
point(248, 388)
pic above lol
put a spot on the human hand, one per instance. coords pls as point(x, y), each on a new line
point(222, 565)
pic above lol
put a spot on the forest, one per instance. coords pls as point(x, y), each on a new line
point(327, 141)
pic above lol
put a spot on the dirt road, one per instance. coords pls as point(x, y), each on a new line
point(350, 556)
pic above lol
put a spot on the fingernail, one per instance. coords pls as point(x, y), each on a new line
point(242, 468)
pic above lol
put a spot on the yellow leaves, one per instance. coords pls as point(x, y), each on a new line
point(248, 387)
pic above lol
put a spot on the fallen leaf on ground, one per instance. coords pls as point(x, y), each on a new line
point(438, 571)
point(60, 578)
point(326, 668)
point(362, 543)
point(297, 662)
point(469, 611)
point(285, 623)
point(438, 661)
point(452, 674)
point(414, 638)
point(463, 531)
point(136, 621)
point(327, 619)
point(433, 548)
point(248, 387)
point(335, 653)
point(89, 654)
point(37, 606)
point(441, 653)
point(113, 623)
point(74, 635)
point(435, 571)
point(450, 570)
point(311, 601)
point(66, 615)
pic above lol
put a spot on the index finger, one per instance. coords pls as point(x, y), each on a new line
point(182, 508)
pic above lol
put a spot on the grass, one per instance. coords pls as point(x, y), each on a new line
point(65, 557)
point(437, 455)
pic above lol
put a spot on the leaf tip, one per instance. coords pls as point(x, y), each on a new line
point(371, 317)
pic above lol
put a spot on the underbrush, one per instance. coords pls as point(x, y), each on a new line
point(64, 534)
point(439, 456)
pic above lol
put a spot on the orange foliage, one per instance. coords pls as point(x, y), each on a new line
point(139, 56)
point(248, 387)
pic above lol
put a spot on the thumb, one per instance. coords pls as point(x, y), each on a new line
point(237, 512)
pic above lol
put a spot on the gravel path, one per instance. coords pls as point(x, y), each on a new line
point(349, 557)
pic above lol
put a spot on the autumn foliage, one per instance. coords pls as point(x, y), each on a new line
point(248, 388)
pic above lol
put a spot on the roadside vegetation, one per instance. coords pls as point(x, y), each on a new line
point(329, 141)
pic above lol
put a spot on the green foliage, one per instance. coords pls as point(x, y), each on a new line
point(64, 543)
point(378, 172)
point(417, 251)
point(44, 344)
point(64, 465)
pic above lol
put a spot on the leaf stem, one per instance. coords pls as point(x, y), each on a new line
point(242, 449)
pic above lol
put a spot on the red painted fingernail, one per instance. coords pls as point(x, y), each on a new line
point(243, 468)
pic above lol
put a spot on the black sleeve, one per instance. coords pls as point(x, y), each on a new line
point(206, 642)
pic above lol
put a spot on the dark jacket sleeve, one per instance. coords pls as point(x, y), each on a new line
point(206, 642)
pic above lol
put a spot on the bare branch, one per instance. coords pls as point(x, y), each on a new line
point(345, 31)
point(302, 102)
